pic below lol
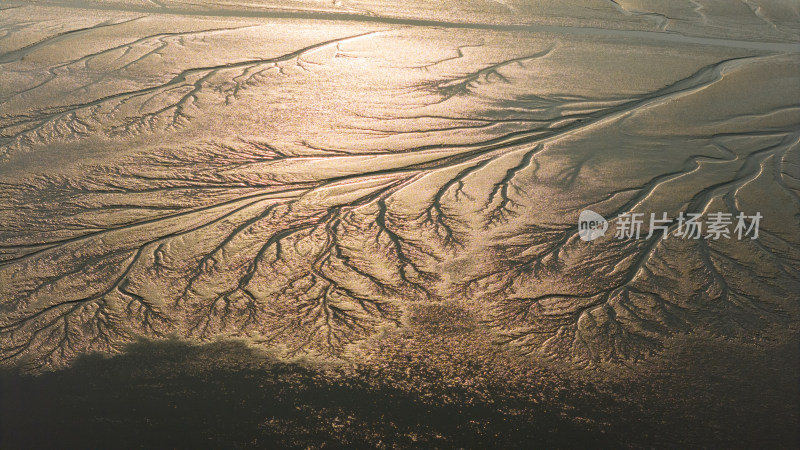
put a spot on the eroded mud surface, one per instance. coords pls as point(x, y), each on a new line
point(362, 185)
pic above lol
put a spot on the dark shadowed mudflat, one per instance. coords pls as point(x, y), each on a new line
point(354, 224)
point(224, 395)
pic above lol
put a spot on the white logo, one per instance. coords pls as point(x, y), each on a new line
point(591, 225)
point(687, 226)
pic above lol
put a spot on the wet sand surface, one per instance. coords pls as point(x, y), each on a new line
point(310, 224)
